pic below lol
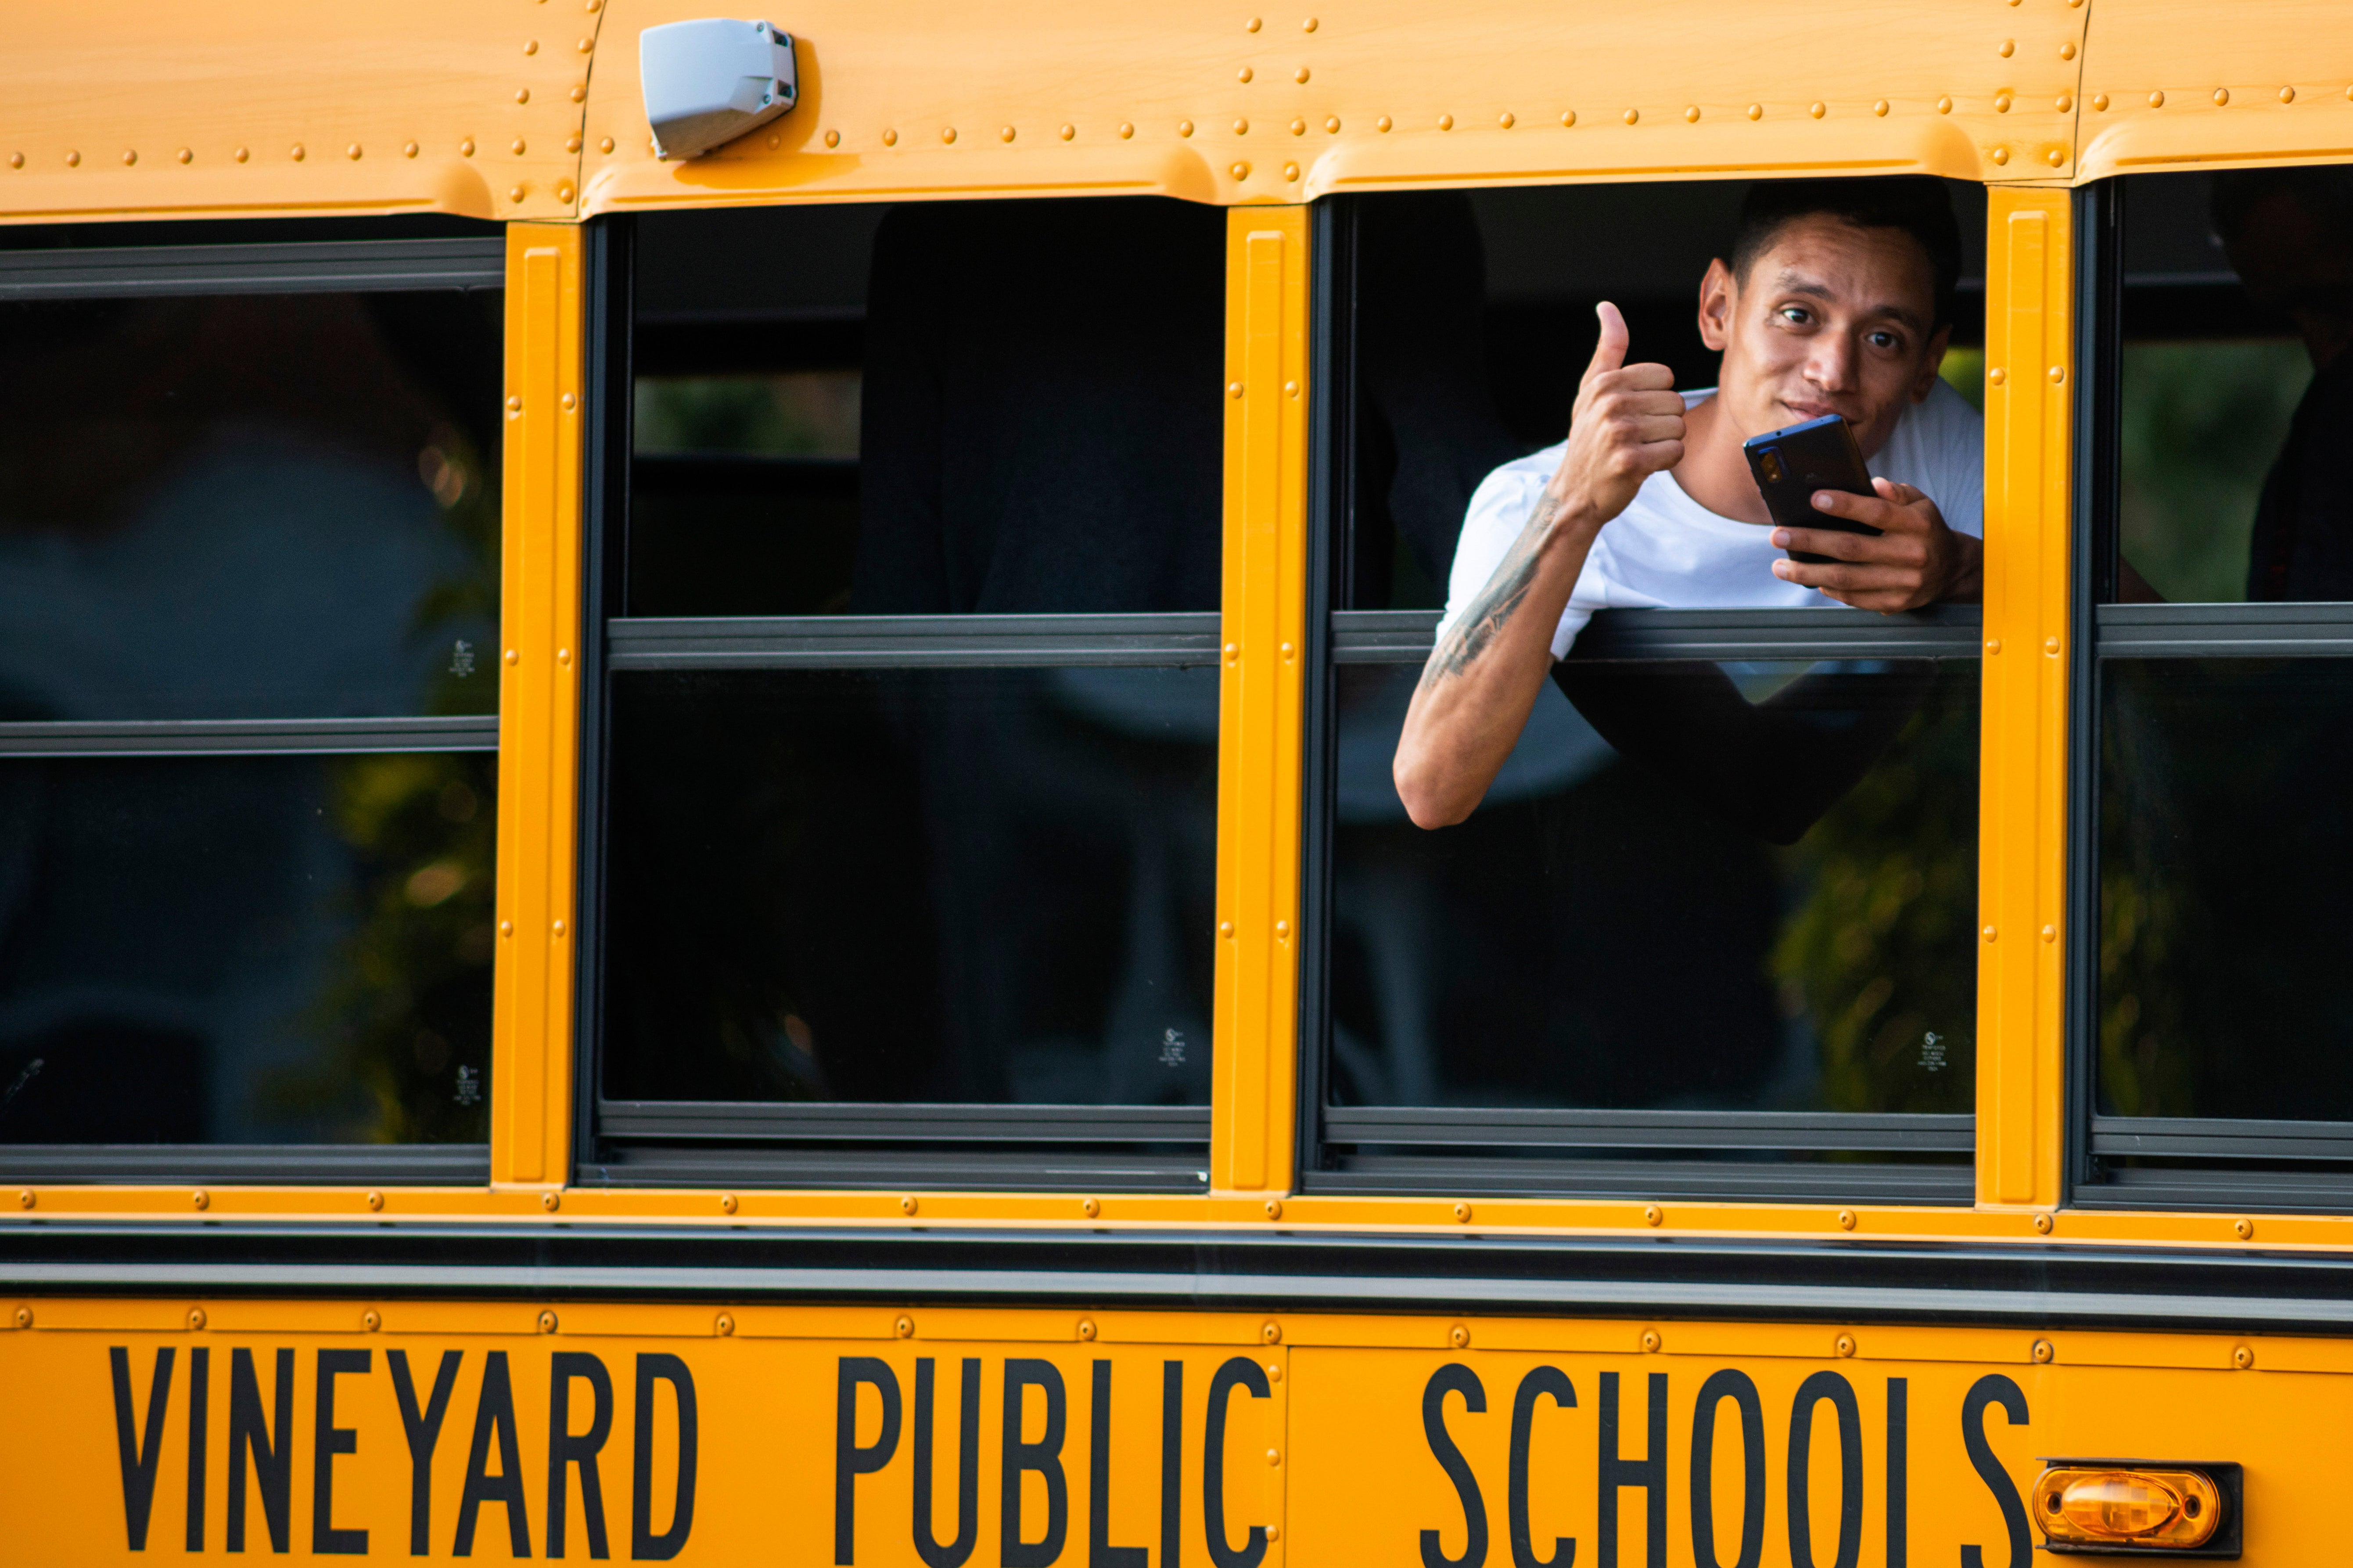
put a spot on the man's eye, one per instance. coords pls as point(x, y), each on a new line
point(1797, 315)
point(1884, 341)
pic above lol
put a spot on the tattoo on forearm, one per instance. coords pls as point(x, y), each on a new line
point(1488, 614)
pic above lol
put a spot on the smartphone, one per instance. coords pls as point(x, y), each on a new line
point(1792, 463)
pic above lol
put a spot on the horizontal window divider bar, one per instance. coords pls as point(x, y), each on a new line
point(1027, 1170)
point(910, 641)
point(1652, 1130)
point(2195, 1138)
point(331, 267)
point(2225, 631)
point(702, 1120)
point(275, 1164)
point(1943, 631)
point(1733, 1181)
point(176, 737)
point(2216, 1188)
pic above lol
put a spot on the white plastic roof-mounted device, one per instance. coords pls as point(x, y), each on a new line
point(709, 81)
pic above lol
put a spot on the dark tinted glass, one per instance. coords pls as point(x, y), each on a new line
point(245, 950)
point(1758, 892)
point(984, 885)
point(249, 507)
point(928, 409)
point(2232, 450)
point(2224, 860)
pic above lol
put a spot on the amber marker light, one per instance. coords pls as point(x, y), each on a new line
point(2091, 1505)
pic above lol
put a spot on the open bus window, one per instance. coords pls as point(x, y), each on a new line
point(961, 407)
point(1711, 927)
point(911, 698)
point(2220, 692)
point(248, 687)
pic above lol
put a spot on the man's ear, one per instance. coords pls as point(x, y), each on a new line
point(1930, 363)
point(1717, 294)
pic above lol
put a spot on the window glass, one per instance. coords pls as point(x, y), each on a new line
point(246, 949)
point(985, 886)
point(2235, 405)
point(2222, 898)
point(1714, 905)
point(249, 507)
point(929, 409)
point(1718, 887)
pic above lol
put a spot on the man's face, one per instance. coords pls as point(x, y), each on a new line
point(1831, 318)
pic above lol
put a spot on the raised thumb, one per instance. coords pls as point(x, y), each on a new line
point(1610, 352)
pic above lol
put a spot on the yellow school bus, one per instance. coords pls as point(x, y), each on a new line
point(698, 858)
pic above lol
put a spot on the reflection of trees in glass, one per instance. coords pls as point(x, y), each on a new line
point(467, 490)
point(1876, 951)
point(2201, 424)
point(806, 414)
point(404, 1019)
point(1964, 372)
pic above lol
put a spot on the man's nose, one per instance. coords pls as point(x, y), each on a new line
point(1831, 365)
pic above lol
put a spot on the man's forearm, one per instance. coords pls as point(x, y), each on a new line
point(1484, 676)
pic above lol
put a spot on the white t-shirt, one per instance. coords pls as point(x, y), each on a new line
point(1666, 551)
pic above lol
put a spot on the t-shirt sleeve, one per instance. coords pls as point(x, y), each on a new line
point(1499, 511)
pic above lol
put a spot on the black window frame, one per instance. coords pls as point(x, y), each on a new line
point(2223, 1161)
point(1577, 1145)
point(850, 1146)
point(243, 263)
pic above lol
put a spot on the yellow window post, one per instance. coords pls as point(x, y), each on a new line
point(1262, 664)
point(2022, 831)
point(538, 708)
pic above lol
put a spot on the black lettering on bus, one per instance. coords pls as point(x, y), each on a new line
point(249, 1434)
point(1830, 1387)
point(1650, 1474)
point(327, 1440)
point(1100, 1552)
point(1736, 1386)
point(1454, 1378)
point(968, 1536)
point(1541, 1381)
point(645, 1546)
point(494, 1417)
point(141, 1455)
point(1043, 1456)
point(424, 1433)
point(566, 1448)
point(1899, 1471)
point(1172, 1461)
point(1995, 1389)
point(200, 1390)
point(849, 1460)
point(1234, 1372)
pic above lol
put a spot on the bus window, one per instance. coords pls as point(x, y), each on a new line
point(1710, 926)
point(248, 556)
point(968, 408)
point(2223, 546)
point(911, 716)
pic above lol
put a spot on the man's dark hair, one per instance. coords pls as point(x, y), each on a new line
point(1915, 203)
point(2324, 194)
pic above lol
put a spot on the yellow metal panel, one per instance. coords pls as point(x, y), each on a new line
point(2029, 395)
point(2177, 84)
point(944, 98)
point(258, 107)
point(1259, 707)
point(539, 709)
point(1330, 1439)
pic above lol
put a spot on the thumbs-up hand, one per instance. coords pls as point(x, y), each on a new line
point(1627, 425)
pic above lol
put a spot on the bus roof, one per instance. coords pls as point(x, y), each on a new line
point(529, 109)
